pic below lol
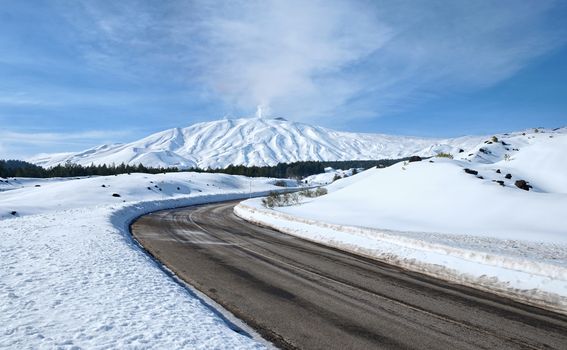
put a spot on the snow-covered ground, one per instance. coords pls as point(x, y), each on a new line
point(328, 176)
point(71, 276)
point(435, 217)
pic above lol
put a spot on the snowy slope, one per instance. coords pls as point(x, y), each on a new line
point(71, 276)
point(33, 196)
point(433, 217)
point(255, 141)
point(439, 196)
point(538, 157)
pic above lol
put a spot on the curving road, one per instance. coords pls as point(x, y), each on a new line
point(303, 295)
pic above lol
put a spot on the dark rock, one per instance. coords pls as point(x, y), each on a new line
point(37, 186)
point(102, 185)
point(523, 185)
point(504, 143)
point(149, 188)
point(461, 150)
point(13, 213)
point(498, 171)
point(115, 195)
point(508, 176)
point(470, 154)
point(500, 182)
point(470, 171)
point(414, 159)
point(480, 177)
point(178, 188)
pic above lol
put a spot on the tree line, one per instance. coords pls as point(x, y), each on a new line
point(297, 170)
point(20, 168)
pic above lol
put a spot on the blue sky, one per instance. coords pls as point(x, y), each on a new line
point(75, 74)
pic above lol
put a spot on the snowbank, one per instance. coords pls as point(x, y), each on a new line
point(476, 228)
point(539, 283)
point(71, 275)
point(441, 198)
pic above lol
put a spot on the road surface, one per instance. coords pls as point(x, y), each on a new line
point(299, 294)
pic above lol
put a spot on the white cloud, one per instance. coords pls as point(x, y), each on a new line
point(47, 138)
point(308, 59)
point(16, 145)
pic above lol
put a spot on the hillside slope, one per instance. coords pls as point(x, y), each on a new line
point(255, 141)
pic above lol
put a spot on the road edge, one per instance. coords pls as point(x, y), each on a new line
point(123, 218)
point(297, 227)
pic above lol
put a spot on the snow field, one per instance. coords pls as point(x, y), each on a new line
point(72, 277)
point(431, 216)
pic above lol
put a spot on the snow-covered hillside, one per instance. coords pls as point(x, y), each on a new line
point(255, 141)
point(71, 276)
point(437, 195)
point(466, 214)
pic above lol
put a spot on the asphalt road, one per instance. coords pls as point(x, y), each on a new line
point(303, 295)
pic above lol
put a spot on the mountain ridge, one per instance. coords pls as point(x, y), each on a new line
point(255, 141)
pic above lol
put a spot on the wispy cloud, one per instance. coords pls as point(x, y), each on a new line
point(322, 58)
point(42, 138)
point(14, 144)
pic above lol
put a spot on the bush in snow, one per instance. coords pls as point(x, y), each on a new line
point(307, 193)
point(275, 199)
point(337, 177)
point(414, 159)
point(494, 139)
point(444, 155)
point(508, 176)
point(280, 183)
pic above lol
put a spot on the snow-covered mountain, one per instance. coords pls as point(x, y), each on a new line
point(255, 141)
